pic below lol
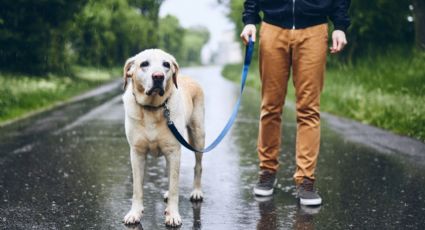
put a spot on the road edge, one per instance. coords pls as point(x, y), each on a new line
point(104, 88)
point(374, 137)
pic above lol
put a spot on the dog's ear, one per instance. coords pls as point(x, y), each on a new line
point(175, 70)
point(128, 70)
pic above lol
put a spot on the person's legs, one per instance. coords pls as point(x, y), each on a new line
point(309, 61)
point(274, 73)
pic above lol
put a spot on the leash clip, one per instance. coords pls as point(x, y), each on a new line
point(167, 114)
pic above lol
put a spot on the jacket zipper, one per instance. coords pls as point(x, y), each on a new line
point(293, 14)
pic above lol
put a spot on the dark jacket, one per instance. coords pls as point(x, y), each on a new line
point(298, 14)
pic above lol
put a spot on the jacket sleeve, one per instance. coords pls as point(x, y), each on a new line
point(339, 15)
point(251, 11)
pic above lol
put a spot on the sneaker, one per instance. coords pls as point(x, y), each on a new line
point(307, 194)
point(266, 182)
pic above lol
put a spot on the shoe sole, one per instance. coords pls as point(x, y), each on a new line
point(311, 202)
point(262, 192)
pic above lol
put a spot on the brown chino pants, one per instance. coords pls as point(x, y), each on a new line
point(305, 51)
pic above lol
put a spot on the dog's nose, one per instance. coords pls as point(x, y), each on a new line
point(158, 76)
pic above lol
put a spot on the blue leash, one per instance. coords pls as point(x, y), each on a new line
point(247, 62)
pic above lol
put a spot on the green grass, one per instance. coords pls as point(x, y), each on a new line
point(233, 72)
point(386, 91)
point(20, 95)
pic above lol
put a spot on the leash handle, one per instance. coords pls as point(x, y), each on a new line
point(249, 50)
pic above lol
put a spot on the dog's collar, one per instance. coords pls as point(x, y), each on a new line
point(151, 107)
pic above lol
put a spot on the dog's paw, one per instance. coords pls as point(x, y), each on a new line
point(134, 216)
point(196, 195)
point(172, 218)
point(165, 196)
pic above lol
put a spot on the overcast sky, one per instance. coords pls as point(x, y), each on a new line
point(199, 12)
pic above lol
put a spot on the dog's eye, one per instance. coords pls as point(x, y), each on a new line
point(166, 64)
point(144, 64)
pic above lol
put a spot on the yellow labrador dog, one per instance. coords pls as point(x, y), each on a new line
point(154, 77)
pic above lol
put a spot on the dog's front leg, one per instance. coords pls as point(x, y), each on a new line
point(138, 161)
point(172, 216)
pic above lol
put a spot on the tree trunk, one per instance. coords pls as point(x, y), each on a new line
point(419, 14)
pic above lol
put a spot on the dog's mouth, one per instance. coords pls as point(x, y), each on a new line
point(156, 89)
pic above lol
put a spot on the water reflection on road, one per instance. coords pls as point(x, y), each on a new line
point(69, 168)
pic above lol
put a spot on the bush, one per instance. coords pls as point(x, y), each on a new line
point(33, 35)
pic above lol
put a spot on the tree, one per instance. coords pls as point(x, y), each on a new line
point(32, 34)
point(171, 36)
point(193, 41)
point(38, 37)
point(419, 15)
point(184, 44)
point(107, 32)
point(378, 25)
point(150, 10)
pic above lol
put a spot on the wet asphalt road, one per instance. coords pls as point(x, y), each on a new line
point(69, 168)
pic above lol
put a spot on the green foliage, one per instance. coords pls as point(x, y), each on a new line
point(40, 37)
point(193, 41)
point(108, 32)
point(389, 95)
point(149, 8)
point(171, 36)
point(184, 44)
point(24, 93)
point(233, 73)
point(419, 18)
point(33, 34)
point(378, 25)
point(235, 14)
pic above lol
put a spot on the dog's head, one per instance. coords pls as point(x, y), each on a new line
point(152, 72)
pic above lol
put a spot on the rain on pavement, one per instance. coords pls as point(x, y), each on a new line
point(69, 168)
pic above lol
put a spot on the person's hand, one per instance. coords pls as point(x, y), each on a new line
point(338, 41)
point(248, 30)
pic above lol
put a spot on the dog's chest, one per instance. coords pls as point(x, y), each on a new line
point(152, 126)
point(149, 135)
